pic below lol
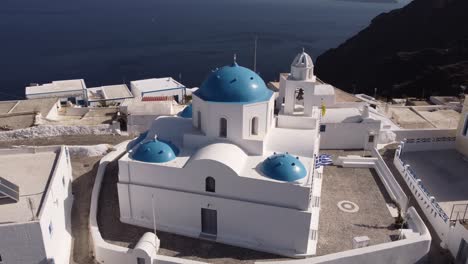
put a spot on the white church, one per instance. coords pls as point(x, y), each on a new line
point(233, 172)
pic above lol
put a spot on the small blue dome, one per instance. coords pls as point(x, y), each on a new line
point(283, 167)
point(137, 140)
point(187, 112)
point(234, 84)
point(155, 151)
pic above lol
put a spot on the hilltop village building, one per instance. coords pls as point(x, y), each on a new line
point(35, 205)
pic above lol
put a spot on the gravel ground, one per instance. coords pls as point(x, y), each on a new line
point(363, 187)
point(122, 234)
point(84, 173)
point(67, 140)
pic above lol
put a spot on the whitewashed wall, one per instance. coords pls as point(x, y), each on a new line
point(31, 242)
point(56, 211)
point(105, 252)
point(349, 135)
point(457, 233)
point(251, 225)
point(229, 185)
point(402, 134)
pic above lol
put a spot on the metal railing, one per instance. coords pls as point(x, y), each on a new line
point(459, 212)
point(408, 172)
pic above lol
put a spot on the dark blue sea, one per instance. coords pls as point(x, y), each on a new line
point(114, 41)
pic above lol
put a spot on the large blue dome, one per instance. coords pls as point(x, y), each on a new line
point(283, 167)
point(234, 84)
point(155, 151)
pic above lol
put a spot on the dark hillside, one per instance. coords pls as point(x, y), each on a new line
point(418, 50)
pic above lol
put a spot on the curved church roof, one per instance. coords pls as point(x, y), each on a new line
point(234, 84)
point(283, 167)
point(155, 151)
point(302, 60)
point(225, 153)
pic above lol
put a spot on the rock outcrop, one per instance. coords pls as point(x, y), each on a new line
point(418, 50)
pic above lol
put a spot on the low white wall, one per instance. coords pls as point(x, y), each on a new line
point(53, 131)
point(422, 144)
point(391, 185)
point(402, 134)
point(457, 233)
point(406, 251)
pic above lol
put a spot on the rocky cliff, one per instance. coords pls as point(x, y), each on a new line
point(418, 50)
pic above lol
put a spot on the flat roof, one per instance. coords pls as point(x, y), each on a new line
point(42, 105)
point(443, 173)
point(57, 86)
point(31, 172)
point(156, 84)
point(441, 118)
point(324, 89)
point(109, 92)
point(406, 118)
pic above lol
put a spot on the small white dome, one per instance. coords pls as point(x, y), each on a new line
point(302, 60)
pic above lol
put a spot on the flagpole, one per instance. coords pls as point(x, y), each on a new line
point(255, 54)
point(154, 222)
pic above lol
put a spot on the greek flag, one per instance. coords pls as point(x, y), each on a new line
point(323, 160)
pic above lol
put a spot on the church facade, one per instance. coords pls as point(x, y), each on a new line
point(232, 171)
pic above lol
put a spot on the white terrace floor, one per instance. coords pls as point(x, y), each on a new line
point(444, 173)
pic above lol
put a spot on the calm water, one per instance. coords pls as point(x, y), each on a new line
point(115, 41)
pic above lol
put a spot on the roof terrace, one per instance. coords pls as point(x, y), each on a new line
point(30, 171)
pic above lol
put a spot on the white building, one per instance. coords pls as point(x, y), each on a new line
point(35, 205)
point(158, 87)
point(343, 125)
point(67, 90)
point(108, 95)
point(231, 173)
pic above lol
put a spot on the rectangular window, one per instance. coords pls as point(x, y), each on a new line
point(371, 139)
point(465, 127)
point(323, 128)
point(140, 261)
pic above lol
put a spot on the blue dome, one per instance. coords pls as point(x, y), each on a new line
point(187, 112)
point(155, 151)
point(283, 167)
point(234, 84)
point(137, 140)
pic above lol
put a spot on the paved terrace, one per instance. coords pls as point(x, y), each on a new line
point(443, 173)
point(363, 187)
